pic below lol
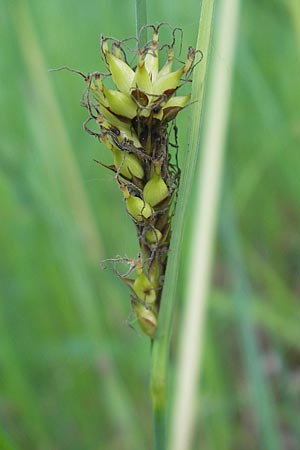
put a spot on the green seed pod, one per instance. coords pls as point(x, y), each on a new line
point(143, 288)
point(121, 73)
point(153, 236)
point(124, 132)
point(129, 163)
point(168, 82)
point(173, 106)
point(136, 207)
point(142, 79)
point(155, 190)
point(119, 103)
point(147, 319)
point(178, 102)
point(112, 119)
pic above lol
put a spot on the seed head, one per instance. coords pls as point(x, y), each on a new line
point(134, 121)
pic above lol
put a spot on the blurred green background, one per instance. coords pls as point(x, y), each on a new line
point(73, 375)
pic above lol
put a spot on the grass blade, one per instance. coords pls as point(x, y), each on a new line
point(160, 351)
point(191, 345)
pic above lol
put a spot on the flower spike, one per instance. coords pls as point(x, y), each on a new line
point(134, 120)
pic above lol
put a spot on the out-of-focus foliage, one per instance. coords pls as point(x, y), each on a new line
point(73, 375)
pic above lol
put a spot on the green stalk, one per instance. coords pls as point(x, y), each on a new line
point(204, 225)
point(141, 19)
point(161, 344)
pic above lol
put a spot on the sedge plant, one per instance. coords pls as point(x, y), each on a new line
point(135, 120)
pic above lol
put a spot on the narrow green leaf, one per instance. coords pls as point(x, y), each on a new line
point(160, 351)
point(204, 225)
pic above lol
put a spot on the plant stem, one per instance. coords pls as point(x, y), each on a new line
point(159, 430)
point(141, 20)
point(202, 236)
point(161, 344)
point(158, 395)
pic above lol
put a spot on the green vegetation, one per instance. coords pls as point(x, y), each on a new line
point(73, 374)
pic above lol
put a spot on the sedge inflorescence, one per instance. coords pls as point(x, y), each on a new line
point(134, 121)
